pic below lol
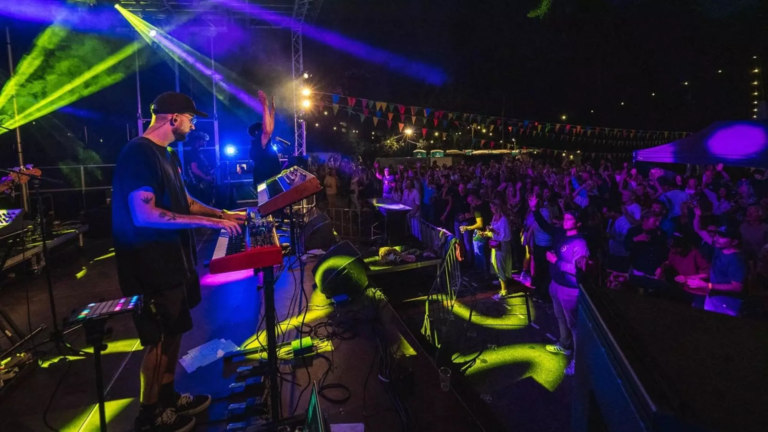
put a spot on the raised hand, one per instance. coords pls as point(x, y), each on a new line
point(263, 98)
point(551, 257)
point(532, 201)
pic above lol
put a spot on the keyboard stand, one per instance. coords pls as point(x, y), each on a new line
point(271, 324)
point(95, 333)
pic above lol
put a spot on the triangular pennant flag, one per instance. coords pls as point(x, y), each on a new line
point(492, 144)
point(389, 124)
point(365, 110)
point(492, 126)
point(335, 98)
point(351, 100)
point(378, 114)
point(401, 108)
point(364, 103)
point(538, 128)
point(510, 128)
point(389, 115)
point(456, 123)
point(450, 116)
point(370, 104)
point(413, 120)
point(426, 112)
point(400, 125)
point(390, 107)
point(335, 108)
point(445, 134)
point(435, 120)
point(375, 121)
point(362, 117)
point(445, 124)
point(424, 132)
point(350, 111)
point(413, 110)
point(488, 120)
point(380, 106)
point(482, 142)
point(567, 128)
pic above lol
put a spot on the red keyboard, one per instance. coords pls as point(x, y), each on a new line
point(254, 248)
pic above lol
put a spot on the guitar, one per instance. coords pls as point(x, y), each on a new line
point(8, 182)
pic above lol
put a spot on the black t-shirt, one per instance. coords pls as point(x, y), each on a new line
point(150, 259)
point(195, 156)
point(266, 162)
point(646, 256)
point(483, 211)
point(462, 210)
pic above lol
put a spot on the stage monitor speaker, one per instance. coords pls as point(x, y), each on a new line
point(318, 233)
point(341, 271)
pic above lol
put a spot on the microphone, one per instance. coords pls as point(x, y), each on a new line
point(283, 142)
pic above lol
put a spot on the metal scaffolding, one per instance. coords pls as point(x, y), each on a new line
point(215, 15)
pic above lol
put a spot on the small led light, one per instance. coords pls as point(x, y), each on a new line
point(153, 33)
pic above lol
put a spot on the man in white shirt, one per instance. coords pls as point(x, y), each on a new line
point(330, 188)
point(411, 198)
point(673, 198)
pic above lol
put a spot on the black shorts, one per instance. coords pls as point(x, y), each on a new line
point(163, 313)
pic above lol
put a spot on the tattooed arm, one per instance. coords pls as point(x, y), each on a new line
point(199, 209)
point(145, 214)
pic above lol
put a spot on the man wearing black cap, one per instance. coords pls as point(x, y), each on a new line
point(199, 178)
point(728, 272)
point(152, 222)
point(266, 162)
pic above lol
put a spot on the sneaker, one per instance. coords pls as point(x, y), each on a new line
point(570, 370)
point(166, 421)
point(186, 404)
point(557, 349)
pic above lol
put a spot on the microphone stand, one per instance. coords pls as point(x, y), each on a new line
point(56, 336)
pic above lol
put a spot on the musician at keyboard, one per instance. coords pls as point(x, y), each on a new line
point(152, 217)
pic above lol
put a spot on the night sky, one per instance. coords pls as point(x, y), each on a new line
point(582, 55)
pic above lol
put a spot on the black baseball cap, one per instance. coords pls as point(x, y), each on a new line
point(175, 103)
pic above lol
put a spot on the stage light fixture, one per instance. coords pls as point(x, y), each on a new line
point(306, 103)
point(306, 91)
point(230, 150)
point(306, 75)
point(408, 131)
point(153, 33)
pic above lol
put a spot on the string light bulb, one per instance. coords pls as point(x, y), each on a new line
point(325, 112)
point(653, 94)
point(754, 83)
point(685, 83)
point(563, 117)
point(756, 70)
point(720, 71)
point(305, 103)
point(592, 111)
point(622, 103)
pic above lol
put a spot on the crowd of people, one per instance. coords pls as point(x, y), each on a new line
point(697, 236)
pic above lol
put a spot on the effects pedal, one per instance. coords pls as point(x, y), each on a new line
point(251, 407)
point(252, 385)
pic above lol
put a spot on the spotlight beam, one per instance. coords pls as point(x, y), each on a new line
point(192, 61)
point(395, 62)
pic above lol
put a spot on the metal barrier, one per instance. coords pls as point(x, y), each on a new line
point(346, 222)
point(438, 310)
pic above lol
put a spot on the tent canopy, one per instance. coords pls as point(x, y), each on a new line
point(736, 143)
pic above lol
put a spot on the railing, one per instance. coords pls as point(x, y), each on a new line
point(347, 223)
point(438, 310)
point(92, 184)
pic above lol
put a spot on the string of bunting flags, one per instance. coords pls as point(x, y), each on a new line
point(429, 118)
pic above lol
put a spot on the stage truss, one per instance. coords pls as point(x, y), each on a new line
point(213, 15)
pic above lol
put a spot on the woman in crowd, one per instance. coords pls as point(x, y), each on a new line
point(501, 247)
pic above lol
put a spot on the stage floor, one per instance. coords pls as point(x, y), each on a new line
point(230, 310)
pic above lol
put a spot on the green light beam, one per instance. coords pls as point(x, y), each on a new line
point(46, 41)
point(544, 367)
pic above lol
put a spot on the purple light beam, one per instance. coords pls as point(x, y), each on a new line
point(422, 71)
